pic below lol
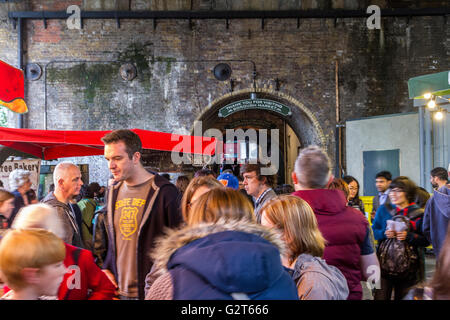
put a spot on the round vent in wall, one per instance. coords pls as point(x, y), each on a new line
point(128, 71)
point(222, 71)
point(33, 71)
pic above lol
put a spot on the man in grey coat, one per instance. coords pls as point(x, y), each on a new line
point(258, 186)
point(67, 180)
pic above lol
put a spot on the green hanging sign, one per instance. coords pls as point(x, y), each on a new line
point(437, 84)
point(261, 104)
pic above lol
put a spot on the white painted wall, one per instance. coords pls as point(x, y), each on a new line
point(397, 131)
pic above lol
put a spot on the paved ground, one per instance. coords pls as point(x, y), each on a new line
point(430, 264)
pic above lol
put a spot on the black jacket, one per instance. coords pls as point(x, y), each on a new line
point(18, 204)
point(99, 237)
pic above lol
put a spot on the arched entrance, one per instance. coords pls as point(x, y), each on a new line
point(271, 110)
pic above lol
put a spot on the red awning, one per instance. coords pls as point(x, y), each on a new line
point(12, 88)
point(53, 144)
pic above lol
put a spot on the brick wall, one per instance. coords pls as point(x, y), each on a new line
point(175, 84)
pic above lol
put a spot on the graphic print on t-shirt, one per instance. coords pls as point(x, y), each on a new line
point(128, 210)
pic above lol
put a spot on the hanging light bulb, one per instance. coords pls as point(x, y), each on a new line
point(439, 115)
point(431, 104)
point(427, 95)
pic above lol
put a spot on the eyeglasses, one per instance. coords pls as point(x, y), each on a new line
point(249, 177)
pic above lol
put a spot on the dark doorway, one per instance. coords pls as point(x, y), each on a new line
point(376, 161)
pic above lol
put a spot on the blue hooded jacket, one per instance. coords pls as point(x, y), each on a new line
point(436, 218)
point(218, 261)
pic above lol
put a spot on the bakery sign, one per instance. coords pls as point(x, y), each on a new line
point(32, 165)
point(260, 104)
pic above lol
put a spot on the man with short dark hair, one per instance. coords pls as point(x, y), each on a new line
point(347, 232)
point(141, 204)
point(438, 177)
point(383, 180)
point(258, 186)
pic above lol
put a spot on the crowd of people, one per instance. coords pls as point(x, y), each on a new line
point(226, 236)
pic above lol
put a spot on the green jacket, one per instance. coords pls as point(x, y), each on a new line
point(87, 207)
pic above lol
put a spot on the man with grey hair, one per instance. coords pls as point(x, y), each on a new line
point(67, 180)
point(347, 232)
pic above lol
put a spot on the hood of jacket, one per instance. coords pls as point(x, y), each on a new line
point(50, 199)
point(241, 256)
point(337, 283)
point(324, 201)
point(442, 200)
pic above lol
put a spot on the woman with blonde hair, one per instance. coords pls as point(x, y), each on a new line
point(294, 219)
point(221, 254)
point(195, 189)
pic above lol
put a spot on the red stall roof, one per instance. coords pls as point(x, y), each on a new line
point(53, 144)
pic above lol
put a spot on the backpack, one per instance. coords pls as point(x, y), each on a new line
point(397, 258)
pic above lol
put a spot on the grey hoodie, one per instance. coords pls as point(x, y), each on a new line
point(316, 280)
point(65, 213)
point(436, 218)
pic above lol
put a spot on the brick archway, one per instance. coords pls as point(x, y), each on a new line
point(303, 122)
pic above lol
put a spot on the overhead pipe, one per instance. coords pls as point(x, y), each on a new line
point(227, 15)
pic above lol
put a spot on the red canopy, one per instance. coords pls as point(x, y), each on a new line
point(53, 144)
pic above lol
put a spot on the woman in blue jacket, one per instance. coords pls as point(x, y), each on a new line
point(222, 253)
point(402, 195)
